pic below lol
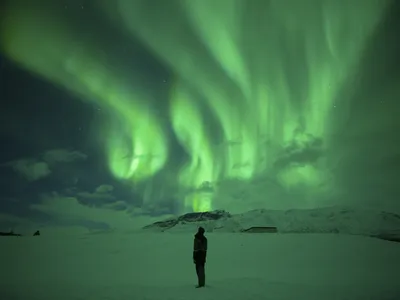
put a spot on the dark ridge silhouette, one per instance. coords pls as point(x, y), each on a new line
point(388, 237)
point(261, 229)
point(11, 233)
point(190, 218)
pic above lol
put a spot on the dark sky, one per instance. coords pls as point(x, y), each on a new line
point(53, 163)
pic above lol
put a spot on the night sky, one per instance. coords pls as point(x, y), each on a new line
point(115, 113)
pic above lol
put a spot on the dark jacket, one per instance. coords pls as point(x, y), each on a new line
point(200, 248)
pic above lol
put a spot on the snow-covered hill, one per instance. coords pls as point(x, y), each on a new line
point(344, 220)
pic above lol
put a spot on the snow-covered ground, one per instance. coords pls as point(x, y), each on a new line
point(149, 265)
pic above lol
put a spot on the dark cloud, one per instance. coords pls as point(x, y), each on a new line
point(306, 150)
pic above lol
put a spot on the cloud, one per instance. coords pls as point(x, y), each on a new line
point(104, 197)
point(17, 224)
point(30, 169)
point(33, 169)
point(120, 205)
point(26, 226)
point(303, 152)
point(104, 188)
point(71, 211)
point(101, 196)
point(7, 218)
point(62, 156)
point(68, 216)
point(96, 198)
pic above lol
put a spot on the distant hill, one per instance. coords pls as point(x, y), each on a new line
point(9, 234)
point(343, 220)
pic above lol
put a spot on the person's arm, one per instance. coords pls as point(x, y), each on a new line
point(194, 250)
point(205, 247)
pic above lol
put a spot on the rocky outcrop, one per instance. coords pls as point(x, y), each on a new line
point(194, 217)
point(388, 236)
point(11, 233)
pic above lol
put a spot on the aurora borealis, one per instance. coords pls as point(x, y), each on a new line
point(260, 98)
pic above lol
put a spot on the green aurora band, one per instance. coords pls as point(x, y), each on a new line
point(252, 79)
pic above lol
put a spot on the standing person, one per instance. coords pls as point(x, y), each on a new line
point(199, 256)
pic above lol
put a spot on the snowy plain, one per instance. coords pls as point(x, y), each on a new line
point(158, 266)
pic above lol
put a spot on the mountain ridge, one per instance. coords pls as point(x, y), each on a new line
point(340, 220)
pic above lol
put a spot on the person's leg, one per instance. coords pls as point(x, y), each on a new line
point(202, 275)
point(198, 274)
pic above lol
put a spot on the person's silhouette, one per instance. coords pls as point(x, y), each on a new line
point(199, 256)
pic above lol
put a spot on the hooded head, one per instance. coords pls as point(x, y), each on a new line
point(200, 231)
